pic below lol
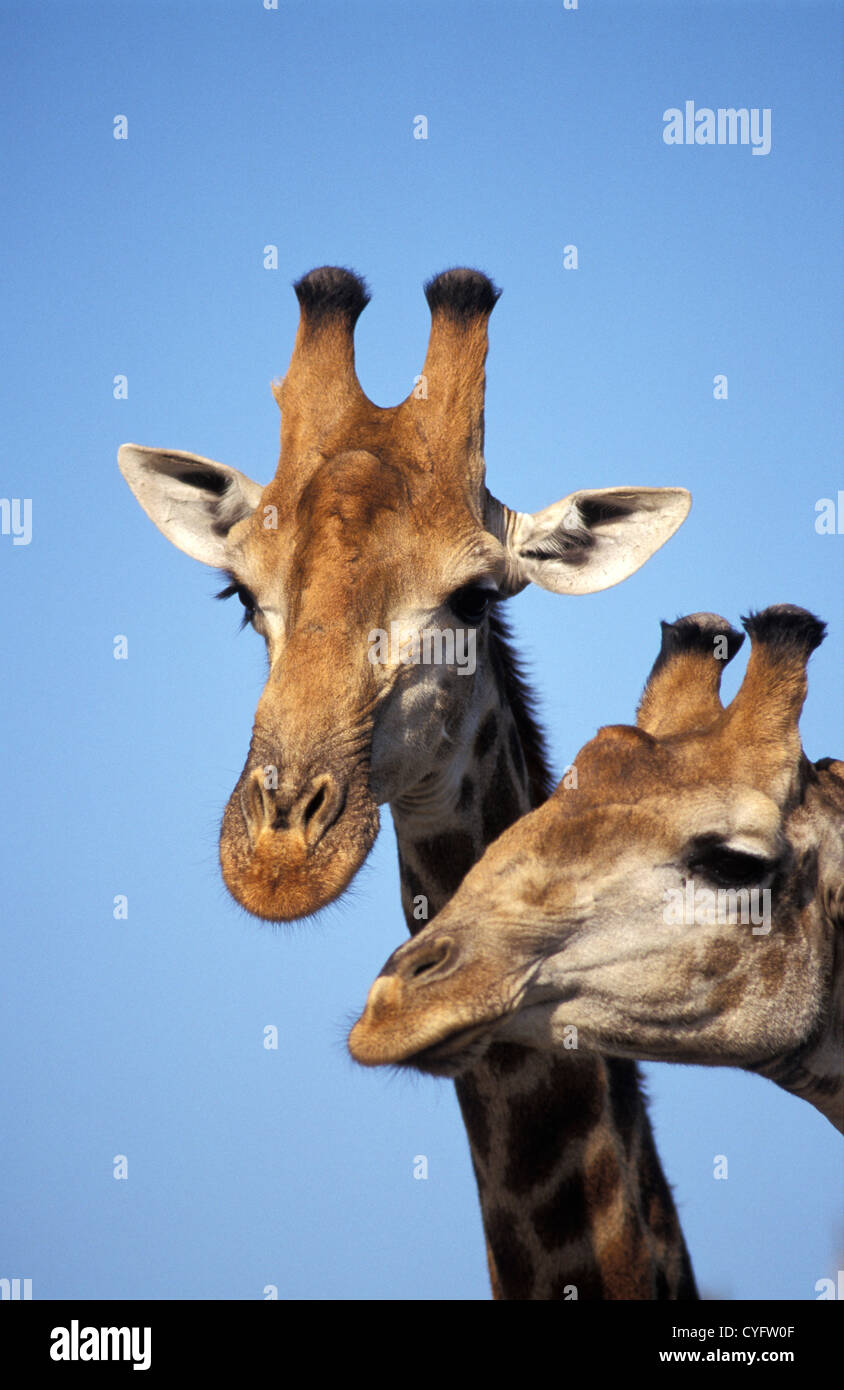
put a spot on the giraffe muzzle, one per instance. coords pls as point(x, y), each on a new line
point(416, 1014)
point(288, 847)
point(309, 810)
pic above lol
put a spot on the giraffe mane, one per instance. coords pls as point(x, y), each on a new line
point(515, 690)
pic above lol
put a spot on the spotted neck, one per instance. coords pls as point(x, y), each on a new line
point(573, 1197)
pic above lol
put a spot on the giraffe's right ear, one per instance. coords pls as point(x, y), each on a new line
point(193, 501)
point(591, 540)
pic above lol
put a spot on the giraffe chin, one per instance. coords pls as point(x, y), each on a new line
point(455, 1055)
point(450, 1056)
point(280, 879)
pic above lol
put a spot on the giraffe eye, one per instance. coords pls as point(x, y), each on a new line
point(246, 597)
point(471, 604)
point(729, 868)
point(247, 600)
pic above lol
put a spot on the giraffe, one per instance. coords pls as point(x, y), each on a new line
point(379, 519)
point(684, 903)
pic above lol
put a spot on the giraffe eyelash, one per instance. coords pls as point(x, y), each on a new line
point(247, 598)
point(728, 867)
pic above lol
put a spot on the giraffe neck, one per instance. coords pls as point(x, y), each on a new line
point(815, 829)
point(813, 1071)
point(573, 1198)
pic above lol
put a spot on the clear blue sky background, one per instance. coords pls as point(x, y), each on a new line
point(294, 127)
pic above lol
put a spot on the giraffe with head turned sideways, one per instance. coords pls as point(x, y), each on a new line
point(379, 520)
point(684, 903)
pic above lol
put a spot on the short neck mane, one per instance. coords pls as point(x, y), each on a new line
point(573, 1197)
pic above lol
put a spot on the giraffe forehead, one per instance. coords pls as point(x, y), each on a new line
point(654, 825)
point(692, 775)
point(361, 482)
point(675, 816)
point(353, 487)
point(349, 493)
point(362, 519)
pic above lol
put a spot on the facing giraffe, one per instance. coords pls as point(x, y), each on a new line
point(685, 902)
point(378, 517)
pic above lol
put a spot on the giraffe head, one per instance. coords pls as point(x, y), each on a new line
point(369, 565)
point(678, 898)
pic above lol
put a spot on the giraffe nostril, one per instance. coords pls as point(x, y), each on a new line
point(435, 956)
point(422, 967)
point(326, 801)
point(307, 810)
point(314, 804)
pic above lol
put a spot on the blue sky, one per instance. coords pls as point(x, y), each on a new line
point(144, 257)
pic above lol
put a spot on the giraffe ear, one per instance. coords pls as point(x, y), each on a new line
point(193, 501)
point(593, 538)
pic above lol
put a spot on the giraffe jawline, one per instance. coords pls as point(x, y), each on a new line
point(454, 1054)
point(462, 1049)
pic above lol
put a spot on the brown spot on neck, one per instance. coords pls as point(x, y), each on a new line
point(474, 1115)
point(516, 1273)
point(559, 1219)
point(447, 858)
point(486, 735)
point(568, 1101)
point(500, 797)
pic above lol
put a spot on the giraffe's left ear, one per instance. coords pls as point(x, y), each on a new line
point(592, 539)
